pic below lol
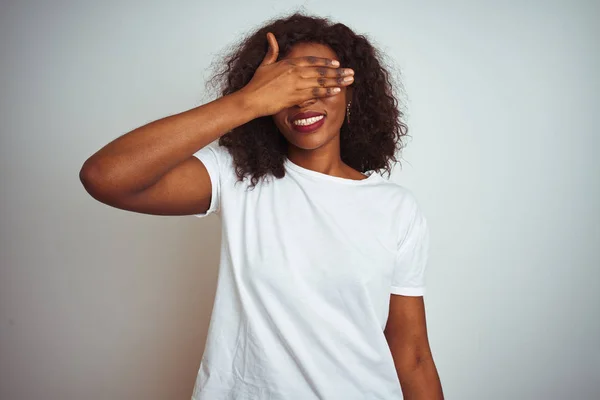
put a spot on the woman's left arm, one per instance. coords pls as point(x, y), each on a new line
point(406, 334)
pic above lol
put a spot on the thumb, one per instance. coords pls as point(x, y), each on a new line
point(272, 52)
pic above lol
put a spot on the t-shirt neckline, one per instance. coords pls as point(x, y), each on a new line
point(325, 177)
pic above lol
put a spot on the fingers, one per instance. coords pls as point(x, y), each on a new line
point(323, 82)
point(311, 61)
point(272, 52)
point(316, 92)
point(324, 77)
point(322, 72)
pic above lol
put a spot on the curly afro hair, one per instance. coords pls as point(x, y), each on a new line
point(375, 134)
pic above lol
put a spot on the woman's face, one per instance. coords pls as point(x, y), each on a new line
point(332, 108)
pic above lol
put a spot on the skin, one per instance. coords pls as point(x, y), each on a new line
point(406, 334)
point(318, 150)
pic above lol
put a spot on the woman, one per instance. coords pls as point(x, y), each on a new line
point(321, 278)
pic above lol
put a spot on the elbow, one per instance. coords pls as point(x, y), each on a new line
point(87, 174)
point(418, 361)
point(409, 356)
point(95, 180)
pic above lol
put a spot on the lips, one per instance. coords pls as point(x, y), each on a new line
point(304, 115)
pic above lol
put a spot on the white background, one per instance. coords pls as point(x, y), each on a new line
point(502, 103)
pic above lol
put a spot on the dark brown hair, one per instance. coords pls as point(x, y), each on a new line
point(368, 143)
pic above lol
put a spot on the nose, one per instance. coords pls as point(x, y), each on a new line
point(307, 103)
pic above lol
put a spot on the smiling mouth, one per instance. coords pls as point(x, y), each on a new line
point(307, 122)
point(308, 125)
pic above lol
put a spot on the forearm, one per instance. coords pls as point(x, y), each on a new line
point(139, 158)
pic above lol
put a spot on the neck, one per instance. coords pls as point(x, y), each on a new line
point(325, 159)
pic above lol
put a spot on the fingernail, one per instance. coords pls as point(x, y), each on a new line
point(336, 90)
point(336, 63)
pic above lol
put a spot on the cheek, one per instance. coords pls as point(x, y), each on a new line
point(336, 106)
point(279, 120)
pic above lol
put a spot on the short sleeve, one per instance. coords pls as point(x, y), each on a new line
point(215, 160)
point(411, 257)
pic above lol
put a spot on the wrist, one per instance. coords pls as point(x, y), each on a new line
point(245, 103)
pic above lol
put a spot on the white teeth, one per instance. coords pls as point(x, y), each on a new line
point(308, 121)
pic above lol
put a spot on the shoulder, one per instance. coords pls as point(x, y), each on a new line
point(218, 158)
point(403, 208)
point(399, 198)
point(216, 151)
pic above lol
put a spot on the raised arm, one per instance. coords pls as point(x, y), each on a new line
point(152, 169)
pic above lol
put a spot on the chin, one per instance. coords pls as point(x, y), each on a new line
point(308, 141)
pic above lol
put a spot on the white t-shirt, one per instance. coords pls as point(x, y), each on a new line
point(307, 266)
